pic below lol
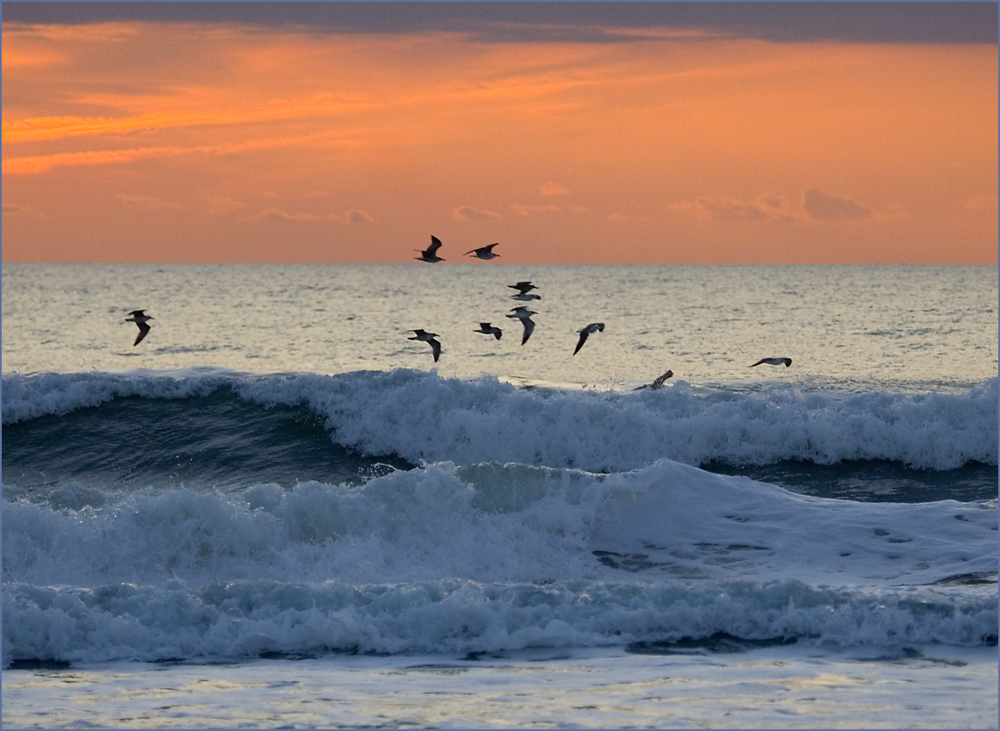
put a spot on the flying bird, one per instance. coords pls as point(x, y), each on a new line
point(487, 329)
point(430, 253)
point(774, 361)
point(140, 318)
point(483, 252)
point(430, 339)
point(586, 332)
point(523, 287)
point(524, 315)
point(658, 383)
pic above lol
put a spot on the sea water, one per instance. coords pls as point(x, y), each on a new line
point(277, 509)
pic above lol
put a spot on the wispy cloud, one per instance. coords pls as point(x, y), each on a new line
point(468, 213)
point(825, 207)
point(553, 188)
point(725, 208)
point(145, 202)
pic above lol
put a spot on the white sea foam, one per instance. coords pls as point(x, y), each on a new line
point(422, 417)
point(488, 557)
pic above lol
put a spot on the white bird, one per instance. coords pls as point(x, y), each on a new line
point(483, 252)
point(774, 361)
point(487, 329)
point(430, 339)
point(430, 253)
point(139, 317)
point(524, 315)
point(593, 327)
point(658, 383)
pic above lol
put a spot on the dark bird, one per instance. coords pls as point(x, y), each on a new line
point(430, 253)
point(487, 329)
point(430, 339)
point(774, 361)
point(524, 315)
point(523, 287)
point(140, 318)
point(658, 383)
point(483, 252)
point(593, 327)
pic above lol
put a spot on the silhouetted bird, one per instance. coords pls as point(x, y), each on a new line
point(523, 287)
point(483, 252)
point(430, 253)
point(430, 339)
point(593, 327)
point(774, 361)
point(524, 315)
point(487, 329)
point(140, 318)
point(658, 383)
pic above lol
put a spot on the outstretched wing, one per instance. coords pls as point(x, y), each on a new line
point(143, 329)
point(583, 338)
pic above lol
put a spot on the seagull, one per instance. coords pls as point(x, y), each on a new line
point(774, 361)
point(593, 327)
point(487, 329)
point(428, 338)
point(523, 297)
point(139, 317)
point(524, 315)
point(484, 252)
point(658, 383)
point(523, 287)
point(430, 253)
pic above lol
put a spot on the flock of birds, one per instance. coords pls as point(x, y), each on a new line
point(522, 313)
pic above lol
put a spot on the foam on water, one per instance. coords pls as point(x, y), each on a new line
point(490, 557)
point(420, 416)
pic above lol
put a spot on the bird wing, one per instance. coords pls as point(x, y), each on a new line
point(435, 245)
point(762, 360)
point(143, 329)
point(659, 381)
point(583, 338)
point(529, 327)
point(436, 349)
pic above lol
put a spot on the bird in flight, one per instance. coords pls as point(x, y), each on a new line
point(586, 332)
point(483, 252)
point(430, 339)
point(430, 253)
point(524, 315)
point(140, 318)
point(487, 329)
point(774, 361)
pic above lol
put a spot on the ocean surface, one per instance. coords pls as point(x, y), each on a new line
point(279, 510)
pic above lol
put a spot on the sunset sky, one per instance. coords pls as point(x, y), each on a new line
point(582, 133)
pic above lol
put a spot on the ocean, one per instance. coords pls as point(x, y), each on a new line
point(277, 510)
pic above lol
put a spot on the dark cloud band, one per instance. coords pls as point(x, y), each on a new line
point(865, 22)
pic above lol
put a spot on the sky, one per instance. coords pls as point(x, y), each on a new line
point(577, 133)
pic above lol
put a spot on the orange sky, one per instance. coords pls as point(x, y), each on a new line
point(220, 142)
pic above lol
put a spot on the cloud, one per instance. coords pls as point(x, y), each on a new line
point(526, 209)
point(18, 209)
point(144, 202)
point(824, 207)
point(221, 204)
point(590, 22)
point(468, 213)
point(981, 203)
point(620, 217)
point(276, 215)
point(552, 188)
point(358, 217)
point(724, 208)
